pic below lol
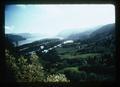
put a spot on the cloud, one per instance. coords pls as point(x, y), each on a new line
point(9, 29)
point(53, 18)
point(58, 17)
point(21, 6)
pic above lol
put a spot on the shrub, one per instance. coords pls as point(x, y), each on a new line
point(75, 75)
point(56, 78)
point(24, 72)
point(92, 77)
point(82, 75)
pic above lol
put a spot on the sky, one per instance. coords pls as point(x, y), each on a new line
point(50, 19)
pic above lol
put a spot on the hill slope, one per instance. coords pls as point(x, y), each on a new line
point(107, 31)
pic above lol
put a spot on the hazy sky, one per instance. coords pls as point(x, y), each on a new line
point(53, 18)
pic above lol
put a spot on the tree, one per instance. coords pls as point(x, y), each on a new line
point(57, 78)
point(23, 71)
point(92, 77)
point(75, 75)
point(82, 75)
point(11, 67)
point(52, 56)
point(30, 72)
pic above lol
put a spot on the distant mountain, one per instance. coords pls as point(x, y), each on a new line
point(23, 38)
point(95, 33)
point(101, 40)
point(68, 32)
point(25, 35)
point(103, 32)
point(14, 38)
point(76, 34)
point(103, 37)
point(30, 35)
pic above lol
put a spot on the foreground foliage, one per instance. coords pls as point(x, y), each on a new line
point(30, 71)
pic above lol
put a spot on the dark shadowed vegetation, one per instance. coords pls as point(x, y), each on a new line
point(89, 59)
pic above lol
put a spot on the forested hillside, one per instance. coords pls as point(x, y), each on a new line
point(55, 60)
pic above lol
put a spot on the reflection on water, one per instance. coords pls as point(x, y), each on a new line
point(68, 41)
point(30, 40)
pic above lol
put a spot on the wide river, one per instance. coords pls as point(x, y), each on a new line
point(30, 40)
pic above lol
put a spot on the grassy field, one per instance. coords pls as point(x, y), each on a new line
point(69, 68)
point(66, 50)
point(70, 56)
point(72, 53)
